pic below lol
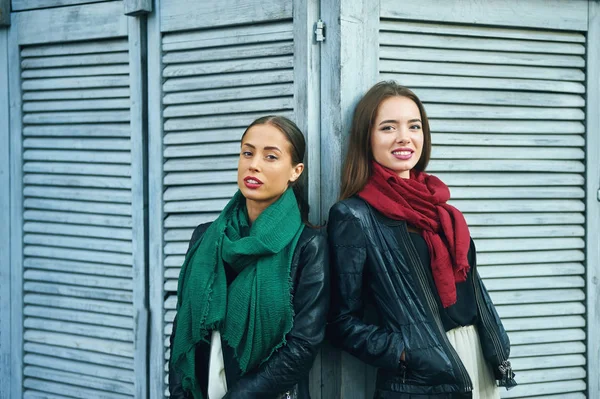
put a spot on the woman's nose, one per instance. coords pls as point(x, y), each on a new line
point(254, 164)
point(402, 136)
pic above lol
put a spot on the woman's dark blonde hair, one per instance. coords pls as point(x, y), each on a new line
point(357, 165)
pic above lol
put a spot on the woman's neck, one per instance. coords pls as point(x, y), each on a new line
point(255, 208)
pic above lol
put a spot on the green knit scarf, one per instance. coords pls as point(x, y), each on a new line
point(255, 312)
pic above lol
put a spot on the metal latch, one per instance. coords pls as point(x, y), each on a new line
point(320, 31)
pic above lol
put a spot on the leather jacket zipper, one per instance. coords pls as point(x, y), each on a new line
point(466, 380)
point(504, 366)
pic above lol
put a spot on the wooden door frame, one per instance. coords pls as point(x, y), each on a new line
point(94, 21)
point(593, 199)
point(5, 218)
point(16, 210)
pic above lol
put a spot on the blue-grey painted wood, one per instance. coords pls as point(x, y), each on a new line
point(349, 68)
point(483, 75)
point(83, 357)
point(4, 13)
point(16, 213)
point(592, 202)
point(483, 31)
point(553, 269)
point(536, 296)
point(137, 7)
point(548, 14)
point(21, 5)
point(110, 373)
point(307, 80)
point(189, 14)
point(156, 386)
point(229, 35)
point(544, 323)
point(107, 45)
point(449, 41)
point(139, 193)
point(526, 377)
point(93, 21)
point(84, 243)
point(5, 219)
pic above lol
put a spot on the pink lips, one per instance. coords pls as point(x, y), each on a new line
point(403, 157)
point(252, 182)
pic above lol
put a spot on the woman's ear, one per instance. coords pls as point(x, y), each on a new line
point(298, 169)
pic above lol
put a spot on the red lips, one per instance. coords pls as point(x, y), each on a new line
point(252, 182)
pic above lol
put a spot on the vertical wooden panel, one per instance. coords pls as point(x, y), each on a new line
point(16, 214)
point(139, 198)
point(308, 118)
point(4, 12)
point(349, 68)
point(5, 239)
point(307, 95)
point(593, 201)
point(155, 207)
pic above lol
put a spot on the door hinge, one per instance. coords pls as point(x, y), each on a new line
point(320, 31)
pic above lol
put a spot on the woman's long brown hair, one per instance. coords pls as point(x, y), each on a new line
point(357, 165)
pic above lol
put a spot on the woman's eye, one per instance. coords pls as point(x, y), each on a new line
point(416, 127)
point(271, 157)
point(386, 128)
point(246, 153)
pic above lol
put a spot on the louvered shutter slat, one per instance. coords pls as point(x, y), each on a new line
point(507, 108)
point(78, 278)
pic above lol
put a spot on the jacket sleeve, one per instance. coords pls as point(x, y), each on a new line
point(292, 362)
point(374, 345)
point(501, 367)
point(175, 387)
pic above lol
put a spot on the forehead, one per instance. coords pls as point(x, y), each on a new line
point(398, 108)
point(265, 136)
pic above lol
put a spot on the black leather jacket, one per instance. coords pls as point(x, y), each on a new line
point(375, 263)
point(287, 368)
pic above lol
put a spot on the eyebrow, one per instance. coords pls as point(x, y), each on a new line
point(271, 148)
point(395, 121)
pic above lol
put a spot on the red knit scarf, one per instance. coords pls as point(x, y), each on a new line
point(421, 202)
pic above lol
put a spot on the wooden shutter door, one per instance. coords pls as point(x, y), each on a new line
point(506, 107)
point(223, 65)
point(82, 271)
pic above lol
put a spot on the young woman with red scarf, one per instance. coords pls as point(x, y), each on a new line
point(397, 246)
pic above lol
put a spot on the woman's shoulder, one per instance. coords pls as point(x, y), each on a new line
point(198, 233)
point(312, 235)
point(349, 208)
point(312, 248)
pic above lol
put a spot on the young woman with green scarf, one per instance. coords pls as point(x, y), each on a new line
point(253, 290)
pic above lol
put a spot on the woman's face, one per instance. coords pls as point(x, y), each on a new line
point(265, 166)
point(397, 135)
